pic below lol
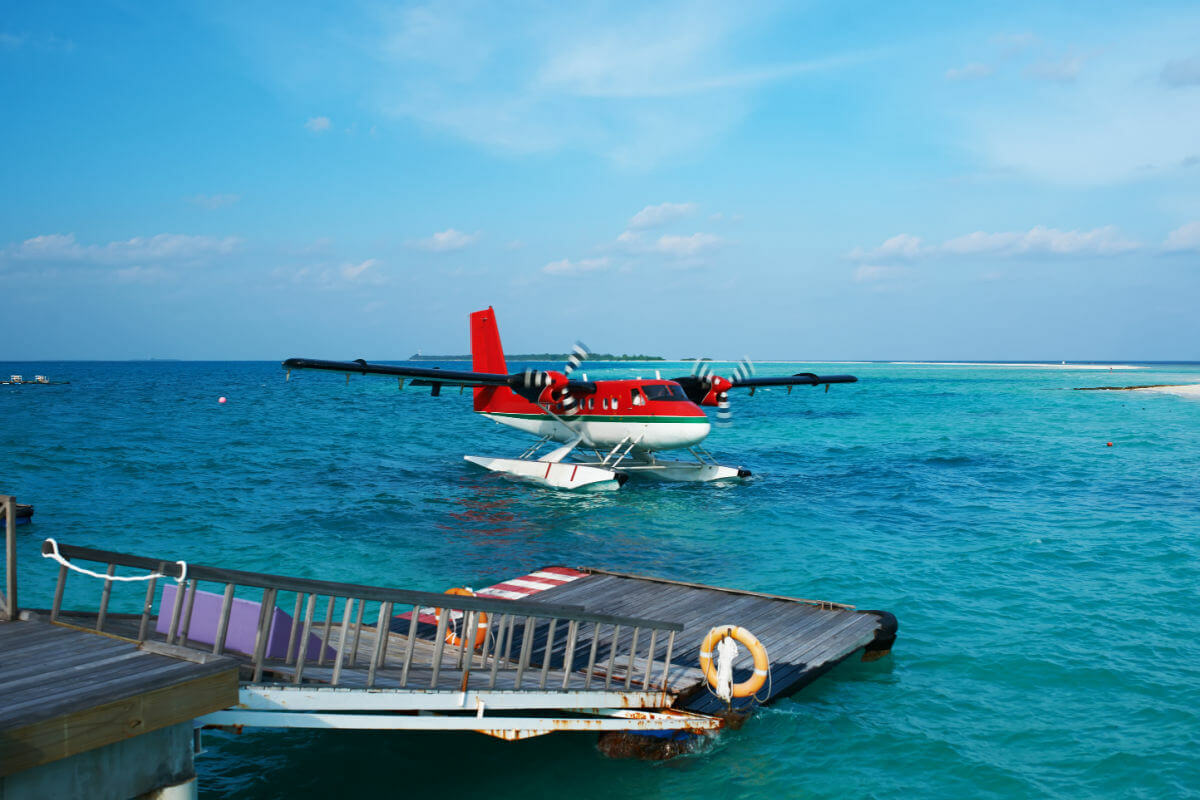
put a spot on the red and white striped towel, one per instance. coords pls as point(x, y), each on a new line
point(514, 588)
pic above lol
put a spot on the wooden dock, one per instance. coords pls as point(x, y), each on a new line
point(803, 638)
point(67, 691)
point(557, 649)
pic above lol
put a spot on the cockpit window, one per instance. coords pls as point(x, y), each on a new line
point(670, 391)
point(636, 397)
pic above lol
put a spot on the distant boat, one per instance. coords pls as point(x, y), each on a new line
point(38, 380)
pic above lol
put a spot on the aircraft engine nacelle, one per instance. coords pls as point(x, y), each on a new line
point(716, 389)
point(553, 393)
point(538, 386)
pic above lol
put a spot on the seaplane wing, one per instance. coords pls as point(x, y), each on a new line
point(799, 379)
point(361, 367)
point(709, 389)
point(432, 376)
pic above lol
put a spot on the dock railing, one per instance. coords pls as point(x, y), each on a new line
point(8, 598)
point(366, 639)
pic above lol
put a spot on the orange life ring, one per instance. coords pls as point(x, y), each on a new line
point(481, 629)
point(739, 634)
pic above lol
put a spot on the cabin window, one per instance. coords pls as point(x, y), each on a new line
point(636, 397)
point(670, 391)
point(615, 404)
point(604, 404)
point(591, 403)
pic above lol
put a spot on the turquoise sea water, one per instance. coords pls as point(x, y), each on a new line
point(1047, 586)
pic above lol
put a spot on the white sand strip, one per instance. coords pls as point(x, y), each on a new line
point(1185, 390)
point(1045, 365)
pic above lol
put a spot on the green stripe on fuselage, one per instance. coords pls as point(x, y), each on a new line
point(600, 418)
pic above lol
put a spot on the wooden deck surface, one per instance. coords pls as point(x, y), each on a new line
point(802, 640)
point(63, 691)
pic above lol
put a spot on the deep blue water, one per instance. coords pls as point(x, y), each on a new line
point(1047, 585)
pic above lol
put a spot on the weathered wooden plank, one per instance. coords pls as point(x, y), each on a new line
point(18, 634)
point(86, 728)
point(121, 680)
point(798, 653)
point(66, 671)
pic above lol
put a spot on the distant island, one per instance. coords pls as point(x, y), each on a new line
point(543, 357)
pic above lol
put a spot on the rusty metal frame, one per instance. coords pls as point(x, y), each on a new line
point(276, 698)
point(593, 720)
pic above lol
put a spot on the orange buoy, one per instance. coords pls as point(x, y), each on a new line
point(739, 634)
point(481, 629)
point(1110, 444)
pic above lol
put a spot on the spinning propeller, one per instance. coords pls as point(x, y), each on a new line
point(705, 387)
point(548, 388)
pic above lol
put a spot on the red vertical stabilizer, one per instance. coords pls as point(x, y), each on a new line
point(487, 355)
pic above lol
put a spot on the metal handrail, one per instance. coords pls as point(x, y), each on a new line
point(485, 642)
point(287, 583)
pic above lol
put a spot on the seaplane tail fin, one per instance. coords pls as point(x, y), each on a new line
point(487, 355)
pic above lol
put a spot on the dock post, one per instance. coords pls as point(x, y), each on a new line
point(148, 604)
point(105, 594)
point(11, 609)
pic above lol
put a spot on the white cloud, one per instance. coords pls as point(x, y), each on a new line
point(534, 78)
point(1063, 71)
point(328, 275)
point(970, 71)
point(1185, 237)
point(568, 267)
point(214, 201)
point(353, 272)
point(1116, 122)
point(1041, 240)
point(1038, 240)
point(60, 247)
point(661, 214)
point(1180, 72)
point(674, 246)
point(873, 273)
point(686, 246)
point(318, 124)
point(445, 241)
point(903, 245)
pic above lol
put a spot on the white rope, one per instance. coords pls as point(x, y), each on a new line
point(727, 651)
point(770, 680)
point(54, 555)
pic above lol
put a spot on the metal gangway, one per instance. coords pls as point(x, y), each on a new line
point(321, 654)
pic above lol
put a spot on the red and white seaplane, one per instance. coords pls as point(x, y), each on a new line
point(625, 423)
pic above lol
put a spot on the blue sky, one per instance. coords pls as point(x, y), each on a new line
point(808, 180)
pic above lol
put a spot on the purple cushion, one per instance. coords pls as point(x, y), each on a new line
point(243, 622)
